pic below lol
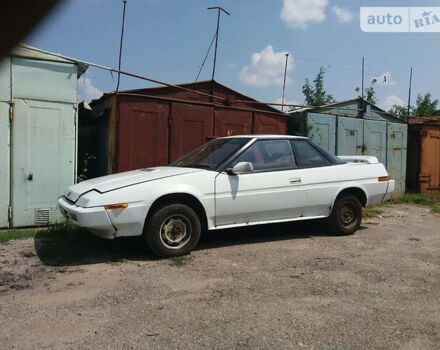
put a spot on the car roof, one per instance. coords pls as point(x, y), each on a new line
point(265, 136)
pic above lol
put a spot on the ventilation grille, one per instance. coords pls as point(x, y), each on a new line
point(42, 216)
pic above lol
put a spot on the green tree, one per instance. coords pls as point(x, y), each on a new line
point(400, 111)
point(425, 106)
point(316, 95)
point(370, 93)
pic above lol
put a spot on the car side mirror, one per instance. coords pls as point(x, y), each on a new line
point(241, 168)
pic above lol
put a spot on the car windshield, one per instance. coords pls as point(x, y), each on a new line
point(211, 154)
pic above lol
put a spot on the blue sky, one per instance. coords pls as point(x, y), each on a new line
point(167, 40)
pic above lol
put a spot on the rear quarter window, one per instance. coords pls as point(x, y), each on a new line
point(309, 156)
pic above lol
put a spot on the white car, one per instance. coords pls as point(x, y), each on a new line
point(229, 182)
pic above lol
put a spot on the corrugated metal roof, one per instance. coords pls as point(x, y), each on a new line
point(433, 120)
point(196, 93)
point(338, 105)
point(200, 86)
point(26, 51)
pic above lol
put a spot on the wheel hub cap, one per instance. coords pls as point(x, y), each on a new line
point(347, 215)
point(175, 231)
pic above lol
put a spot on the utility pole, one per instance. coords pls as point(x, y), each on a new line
point(216, 34)
point(284, 83)
point(120, 44)
point(409, 91)
point(363, 66)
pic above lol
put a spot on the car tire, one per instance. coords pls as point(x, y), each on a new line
point(346, 216)
point(172, 230)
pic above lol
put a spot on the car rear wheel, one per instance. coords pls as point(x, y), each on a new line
point(346, 216)
point(172, 230)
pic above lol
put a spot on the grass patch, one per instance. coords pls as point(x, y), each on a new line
point(428, 200)
point(296, 277)
point(66, 243)
point(371, 212)
point(9, 235)
point(179, 261)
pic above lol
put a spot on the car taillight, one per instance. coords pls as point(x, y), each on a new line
point(384, 178)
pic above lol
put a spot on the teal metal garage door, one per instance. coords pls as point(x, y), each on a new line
point(43, 153)
point(396, 154)
point(4, 164)
point(350, 136)
point(375, 139)
point(322, 130)
point(5, 97)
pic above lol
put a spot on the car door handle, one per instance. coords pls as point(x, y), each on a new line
point(295, 180)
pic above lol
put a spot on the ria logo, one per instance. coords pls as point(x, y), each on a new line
point(400, 19)
point(426, 19)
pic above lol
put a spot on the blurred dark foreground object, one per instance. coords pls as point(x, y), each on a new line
point(18, 18)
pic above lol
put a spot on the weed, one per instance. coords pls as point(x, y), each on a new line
point(10, 235)
point(428, 200)
point(371, 212)
point(179, 260)
point(65, 243)
point(118, 261)
point(298, 277)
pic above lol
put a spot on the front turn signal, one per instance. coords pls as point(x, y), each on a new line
point(384, 178)
point(119, 206)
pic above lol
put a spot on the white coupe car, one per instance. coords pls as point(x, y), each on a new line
point(229, 182)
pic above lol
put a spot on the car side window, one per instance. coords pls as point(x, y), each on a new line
point(268, 155)
point(307, 155)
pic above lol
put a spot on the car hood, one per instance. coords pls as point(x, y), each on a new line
point(112, 182)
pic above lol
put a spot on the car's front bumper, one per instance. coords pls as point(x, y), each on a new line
point(95, 219)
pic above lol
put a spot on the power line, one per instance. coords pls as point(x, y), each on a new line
point(331, 65)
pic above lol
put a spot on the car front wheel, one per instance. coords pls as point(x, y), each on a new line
point(172, 230)
point(346, 216)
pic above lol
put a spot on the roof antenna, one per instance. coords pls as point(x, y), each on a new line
point(216, 34)
point(120, 44)
point(363, 73)
point(284, 83)
point(409, 92)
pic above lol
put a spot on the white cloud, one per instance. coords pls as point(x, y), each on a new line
point(266, 68)
point(297, 13)
point(344, 15)
point(390, 101)
point(86, 90)
point(384, 79)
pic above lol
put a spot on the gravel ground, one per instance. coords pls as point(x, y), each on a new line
point(278, 286)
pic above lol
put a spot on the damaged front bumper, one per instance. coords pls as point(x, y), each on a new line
point(94, 219)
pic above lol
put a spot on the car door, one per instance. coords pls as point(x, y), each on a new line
point(320, 178)
point(265, 194)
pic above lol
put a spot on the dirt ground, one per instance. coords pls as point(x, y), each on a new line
point(279, 286)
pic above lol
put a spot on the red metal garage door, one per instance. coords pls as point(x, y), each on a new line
point(265, 124)
point(232, 122)
point(191, 125)
point(142, 134)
